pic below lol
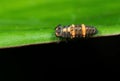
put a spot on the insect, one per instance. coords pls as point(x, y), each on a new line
point(75, 31)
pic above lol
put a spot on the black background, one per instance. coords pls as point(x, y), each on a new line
point(77, 59)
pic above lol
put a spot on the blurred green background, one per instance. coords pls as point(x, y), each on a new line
point(33, 21)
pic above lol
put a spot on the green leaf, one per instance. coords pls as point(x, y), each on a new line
point(24, 22)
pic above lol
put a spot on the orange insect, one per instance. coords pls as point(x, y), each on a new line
point(75, 31)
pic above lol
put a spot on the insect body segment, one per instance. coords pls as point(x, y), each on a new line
point(75, 31)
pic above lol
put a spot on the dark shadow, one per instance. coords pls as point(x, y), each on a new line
point(55, 61)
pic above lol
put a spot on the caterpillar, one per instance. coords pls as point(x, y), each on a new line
point(75, 31)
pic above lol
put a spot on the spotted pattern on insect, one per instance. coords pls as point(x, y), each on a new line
point(75, 31)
